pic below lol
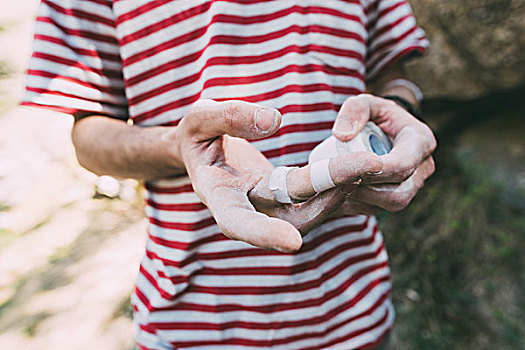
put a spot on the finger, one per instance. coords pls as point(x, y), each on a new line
point(412, 140)
point(238, 220)
point(405, 157)
point(208, 119)
point(307, 216)
point(352, 117)
point(395, 197)
point(342, 169)
point(352, 207)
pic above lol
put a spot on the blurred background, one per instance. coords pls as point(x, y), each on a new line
point(70, 242)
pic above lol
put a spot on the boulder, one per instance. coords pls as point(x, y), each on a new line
point(477, 47)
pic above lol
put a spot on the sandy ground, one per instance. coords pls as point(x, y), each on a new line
point(67, 261)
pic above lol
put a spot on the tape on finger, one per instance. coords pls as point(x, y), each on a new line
point(277, 184)
point(370, 139)
point(320, 176)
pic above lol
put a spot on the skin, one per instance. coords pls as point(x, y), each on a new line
point(230, 176)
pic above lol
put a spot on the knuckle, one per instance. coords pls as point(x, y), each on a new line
point(400, 202)
point(392, 105)
point(231, 113)
point(403, 173)
point(199, 105)
point(232, 110)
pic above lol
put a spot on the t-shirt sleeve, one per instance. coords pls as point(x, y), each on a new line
point(76, 66)
point(392, 34)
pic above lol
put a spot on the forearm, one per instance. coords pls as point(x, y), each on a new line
point(107, 146)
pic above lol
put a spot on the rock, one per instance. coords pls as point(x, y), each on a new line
point(477, 47)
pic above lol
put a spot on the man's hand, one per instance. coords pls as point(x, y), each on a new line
point(405, 168)
point(230, 176)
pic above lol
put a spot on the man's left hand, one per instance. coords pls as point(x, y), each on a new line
point(405, 167)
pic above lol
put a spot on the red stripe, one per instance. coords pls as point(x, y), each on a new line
point(59, 109)
point(388, 28)
point(50, 75)
point(82, 52)
point(176, 206)
point(62, 94)
point(187, 245)
point(183, 226)
point(381, 15)
point(191, 12)
point(343, 90)
point(186, 188)
point(374, 344)
point(389, 43)
point(80, 14)
point(395, 58)
point(80, 33)
point(115, 74)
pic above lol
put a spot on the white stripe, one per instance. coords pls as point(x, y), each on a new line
point(50, 29)
point(72, 22)
point(75, 72)
point(72, 88)
point(73, 103)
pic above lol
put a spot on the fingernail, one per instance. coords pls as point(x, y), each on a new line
point(374, 173)
point(265, 119)
point(347, 131)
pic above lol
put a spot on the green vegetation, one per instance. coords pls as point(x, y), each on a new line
point(457, 261)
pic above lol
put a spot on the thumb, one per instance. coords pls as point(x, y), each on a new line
point(208, 119)
point(352, 117)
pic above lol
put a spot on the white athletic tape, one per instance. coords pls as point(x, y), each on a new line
point(370, 139)
point(277, 184)
point(320, 175)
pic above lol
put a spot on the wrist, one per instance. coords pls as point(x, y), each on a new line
point(407, 105)
point(171, 140)
point(405, 89)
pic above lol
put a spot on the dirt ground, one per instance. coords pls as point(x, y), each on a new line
point(67, 261)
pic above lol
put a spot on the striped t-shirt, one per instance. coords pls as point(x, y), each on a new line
point(148, 61)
